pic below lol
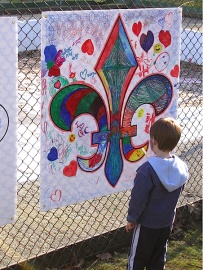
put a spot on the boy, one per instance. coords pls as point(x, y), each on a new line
point(157, 187)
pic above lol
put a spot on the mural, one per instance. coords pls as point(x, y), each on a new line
point(8, 119)
point(106, 77)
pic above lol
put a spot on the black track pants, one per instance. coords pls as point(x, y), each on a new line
point(148, 248)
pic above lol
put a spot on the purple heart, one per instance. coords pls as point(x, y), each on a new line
point(146, 41)
point(53, 154)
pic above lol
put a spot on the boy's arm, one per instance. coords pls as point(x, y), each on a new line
point(139, 196)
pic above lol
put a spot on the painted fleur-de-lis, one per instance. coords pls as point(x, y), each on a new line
point(116, 66)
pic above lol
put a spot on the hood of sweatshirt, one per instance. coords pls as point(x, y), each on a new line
point(172, 172)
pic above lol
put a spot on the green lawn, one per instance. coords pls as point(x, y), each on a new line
point(183, 254)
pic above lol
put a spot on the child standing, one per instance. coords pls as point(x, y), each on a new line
point(157, 187)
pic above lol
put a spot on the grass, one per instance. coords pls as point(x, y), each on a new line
point(183, 253)
point(186, 253)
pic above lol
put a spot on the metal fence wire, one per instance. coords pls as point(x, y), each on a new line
point(52, 238)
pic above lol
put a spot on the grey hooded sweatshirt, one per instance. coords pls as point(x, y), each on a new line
point(157, 187)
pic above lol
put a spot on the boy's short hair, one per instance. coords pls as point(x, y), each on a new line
point(167, 132)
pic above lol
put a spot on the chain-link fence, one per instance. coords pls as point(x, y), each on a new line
point(70, 233)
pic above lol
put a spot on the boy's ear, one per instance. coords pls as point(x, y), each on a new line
point(154, 141)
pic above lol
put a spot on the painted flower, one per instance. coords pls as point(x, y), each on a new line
point(53, 60)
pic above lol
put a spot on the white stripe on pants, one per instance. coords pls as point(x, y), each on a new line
point(133, 247)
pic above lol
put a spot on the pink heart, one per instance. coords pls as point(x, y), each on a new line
point(136, 28)
point(71, 169)
point(57, 84)
point(56, 196)
point(169, 18)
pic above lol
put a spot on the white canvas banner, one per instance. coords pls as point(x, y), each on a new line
point(8, 118)
point(107, 75)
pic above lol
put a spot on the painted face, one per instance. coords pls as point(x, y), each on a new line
point(157, 48)
point(162, 61)
point(140, 113)
point(71, 138)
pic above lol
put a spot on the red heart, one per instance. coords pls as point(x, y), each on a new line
point(56, 196)
point(165, 38)
point(71, 169)
point(57, 84)
point(175, 71)
point(54, 71)
point(136, 28)
point(88, 47)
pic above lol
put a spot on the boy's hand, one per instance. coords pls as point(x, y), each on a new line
point(130, 226)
